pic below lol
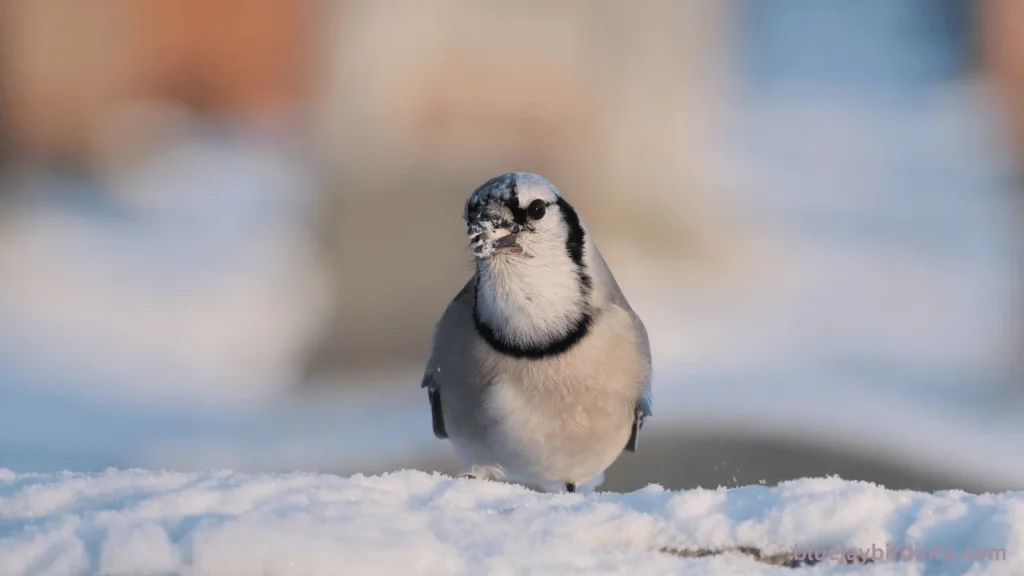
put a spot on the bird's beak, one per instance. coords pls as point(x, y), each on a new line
point(492, 231)
point(486, 241)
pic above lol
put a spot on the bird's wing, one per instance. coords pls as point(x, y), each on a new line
point(434, 373)
point(645, 400)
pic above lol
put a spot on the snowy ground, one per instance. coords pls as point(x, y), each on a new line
point(143, 522)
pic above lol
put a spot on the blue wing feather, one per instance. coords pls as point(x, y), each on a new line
point(645, 403)
point(643, 409)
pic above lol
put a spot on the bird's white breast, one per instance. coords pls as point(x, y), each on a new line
point(565, 418)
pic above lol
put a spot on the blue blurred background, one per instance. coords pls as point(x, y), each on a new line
point(228, 226)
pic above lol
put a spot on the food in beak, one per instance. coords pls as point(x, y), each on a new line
point(499, 233)
point(505, 241)
point(494, 240)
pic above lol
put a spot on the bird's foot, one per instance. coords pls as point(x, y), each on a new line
point(482, 473)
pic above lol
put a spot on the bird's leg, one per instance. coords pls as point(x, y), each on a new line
point(570, 487)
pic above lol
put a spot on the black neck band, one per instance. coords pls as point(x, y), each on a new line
point(535, 351)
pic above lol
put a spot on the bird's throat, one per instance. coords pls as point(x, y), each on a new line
point(530, 312)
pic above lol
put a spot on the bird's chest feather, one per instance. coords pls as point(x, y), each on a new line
point(552, 401)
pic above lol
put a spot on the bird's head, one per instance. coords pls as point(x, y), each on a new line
point(522, 215)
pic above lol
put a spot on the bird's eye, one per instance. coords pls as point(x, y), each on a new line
point(536, 209)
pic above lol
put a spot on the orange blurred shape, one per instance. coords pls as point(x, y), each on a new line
point(1002, 42)
point(67, 65)
point(227, 56)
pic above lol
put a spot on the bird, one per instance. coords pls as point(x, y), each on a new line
point(539, 371)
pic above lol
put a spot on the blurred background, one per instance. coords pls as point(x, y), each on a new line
point(228, 226)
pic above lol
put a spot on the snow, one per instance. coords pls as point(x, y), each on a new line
point(218, 522)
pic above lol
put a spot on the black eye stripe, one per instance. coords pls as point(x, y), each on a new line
point(518, 214)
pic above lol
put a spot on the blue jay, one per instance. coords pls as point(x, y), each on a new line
point(539, 371)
